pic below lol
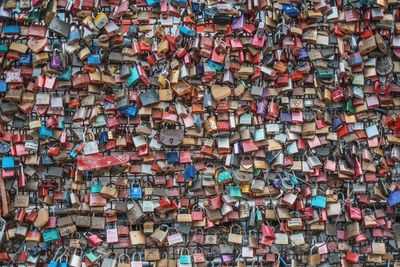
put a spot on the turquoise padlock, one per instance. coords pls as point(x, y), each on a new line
point(44, 132)
point(8, 163)
point(152, 2)
point(259, 135)
point(61, 123)
point(294, 179)
point(259, 217)
point(185, 258)
point(56, 259)
point(65, 75)
point(100, 121)
point(133, 78)
point(63, 261)
point(318, 202)
point(53, 263)
point(215, 66)
point(96, 188)
point(73, 154)
point(50, 235)
point(235, 191)
point(224, 177)
point(245, 119)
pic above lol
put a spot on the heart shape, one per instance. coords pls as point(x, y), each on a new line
point(220, 92)
point(37, 45)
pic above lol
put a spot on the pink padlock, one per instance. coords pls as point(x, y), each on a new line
point(112, 236)
point(93, 240)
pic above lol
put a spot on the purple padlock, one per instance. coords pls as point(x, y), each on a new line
point(303, 54)
point(261, 109)
point(393, 198)
point(238, 23)
point(285, 116)
point(56, 62)
point(226, 258)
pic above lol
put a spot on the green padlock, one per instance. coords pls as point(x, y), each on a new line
point(349, 107)
point(3, 48)
point(33, 16)
point(256, 172)
point(91, 256)
point(325, 73)
point(259, 218)
point(65, 75)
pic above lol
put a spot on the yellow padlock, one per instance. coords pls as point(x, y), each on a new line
point(100, 20)
point(162, 81)
point(245, 188)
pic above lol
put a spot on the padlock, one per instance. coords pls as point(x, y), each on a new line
point(76, 259)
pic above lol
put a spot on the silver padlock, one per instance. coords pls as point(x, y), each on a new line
point(90, 147)
point(110, 261)
point(74, 200)
point(76, 259)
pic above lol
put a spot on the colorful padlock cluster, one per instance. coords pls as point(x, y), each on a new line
point(197, 133)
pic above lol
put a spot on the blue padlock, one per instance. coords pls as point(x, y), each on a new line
point(336, 123)
point(8, 163)
point(130, 111)
point(196, 8)
point(94, 60)
point(3, 87)
point(291, 10)
point(135, 191)
point(88, 175)
point(185, 31)
point(25, 59)
point(74, 36)
point(11, 30)
point(172, 157)
point(189, 172)
point(318, 202)
point(4, 148)
point(198, 121)
point(103, 138)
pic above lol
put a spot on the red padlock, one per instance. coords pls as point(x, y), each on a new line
point(323, 216)
point(352, 257)
point(20, 215)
